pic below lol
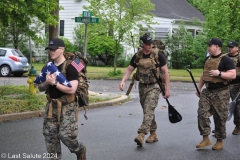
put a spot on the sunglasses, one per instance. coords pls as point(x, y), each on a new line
point(52, 49)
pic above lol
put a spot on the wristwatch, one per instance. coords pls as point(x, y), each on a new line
point(55, 84)
point(220, 74)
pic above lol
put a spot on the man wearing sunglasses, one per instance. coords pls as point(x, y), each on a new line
point(234, 86)
point(60, 120)
point(214, 99)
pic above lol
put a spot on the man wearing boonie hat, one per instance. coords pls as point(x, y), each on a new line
point(214, 99)
point(234, 86)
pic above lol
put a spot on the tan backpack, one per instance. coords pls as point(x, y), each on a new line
point(82, 89)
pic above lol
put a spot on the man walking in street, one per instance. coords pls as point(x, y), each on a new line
point(214, 99)
point(234, 86)
point(144, 60)
point(60, 120)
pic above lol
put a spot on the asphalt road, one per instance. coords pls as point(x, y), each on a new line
point(110, 131)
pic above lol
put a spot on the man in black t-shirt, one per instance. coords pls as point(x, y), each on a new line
point(60, 120)
point(214, 99)
point(234, 85)
point(144, 60)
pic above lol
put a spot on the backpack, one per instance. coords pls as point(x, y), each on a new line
point(82, 89)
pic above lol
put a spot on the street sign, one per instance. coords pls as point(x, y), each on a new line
point(86, 20)
point(86, 14)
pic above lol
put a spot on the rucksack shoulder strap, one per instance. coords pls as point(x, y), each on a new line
point(64, 67)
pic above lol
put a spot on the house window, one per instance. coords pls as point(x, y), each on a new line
point(161, 33)
point(61, 33)
point(145, 31)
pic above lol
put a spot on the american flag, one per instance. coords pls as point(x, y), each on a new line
point(77, 64)
point(51, 68)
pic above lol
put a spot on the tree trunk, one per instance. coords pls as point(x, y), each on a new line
point(53, 30)
point(115, 57)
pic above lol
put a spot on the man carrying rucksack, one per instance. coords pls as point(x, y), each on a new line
point(60, 120)
point(149, 90)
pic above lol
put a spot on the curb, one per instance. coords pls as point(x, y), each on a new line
point(34, 114)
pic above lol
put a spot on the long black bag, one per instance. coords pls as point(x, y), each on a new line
point(173, 114)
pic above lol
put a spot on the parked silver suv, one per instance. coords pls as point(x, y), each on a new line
point(12, 61)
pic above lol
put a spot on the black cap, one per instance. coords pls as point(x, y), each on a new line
point(146, 39)
point(232, 44)
point(55, 44)
point(215, 41)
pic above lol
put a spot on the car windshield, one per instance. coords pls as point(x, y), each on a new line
point(17, 53)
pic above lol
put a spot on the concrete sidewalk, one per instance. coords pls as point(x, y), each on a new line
point(115, 100)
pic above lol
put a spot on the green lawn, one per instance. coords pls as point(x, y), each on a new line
point(98, 72)
point(17, 98)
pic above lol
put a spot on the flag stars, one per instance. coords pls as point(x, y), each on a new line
point(57, 73)
point(40, 75)
point(48, 72)
point(49, 64)
point(65, 83)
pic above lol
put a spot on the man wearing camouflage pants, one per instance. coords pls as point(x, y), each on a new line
point(214, 99)
point(60, 120)
point(234, 86)
point(149, 90)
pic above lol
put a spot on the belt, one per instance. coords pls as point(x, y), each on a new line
point(66, 99)
point(145, 84)
point(217, 90)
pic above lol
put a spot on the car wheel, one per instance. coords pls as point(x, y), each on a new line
point(17, 74)
point(5, 71)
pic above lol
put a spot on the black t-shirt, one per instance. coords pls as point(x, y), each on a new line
point(225, 64)
point(71, 74)
point(161, 59)
point(237, 80)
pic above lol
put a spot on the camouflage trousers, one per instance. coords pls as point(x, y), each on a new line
point(66, 131)
point(213, 103)
point(149, 95)
point(234, 90)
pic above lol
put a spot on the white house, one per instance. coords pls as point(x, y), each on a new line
point(168, 14)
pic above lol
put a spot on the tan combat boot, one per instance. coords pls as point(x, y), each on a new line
point(218, 145)
point(139, 139)
point(82, 154)
point(152, 138)
point(204, 143)
point(236, 131)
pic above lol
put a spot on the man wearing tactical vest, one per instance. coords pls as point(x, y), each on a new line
point(234, 86)
point(214, 99)
point(60, 120)
point(149, 90)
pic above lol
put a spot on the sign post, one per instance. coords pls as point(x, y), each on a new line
point(86, 18)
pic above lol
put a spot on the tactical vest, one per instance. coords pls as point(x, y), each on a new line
point(236, 60)
point(143, 73)
point(212, 64)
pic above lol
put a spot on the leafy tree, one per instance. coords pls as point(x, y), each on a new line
point(103, 47)
point(17, 16)
point(119, 17)
point(222, 18)
point(180, 45)
point(79, 37)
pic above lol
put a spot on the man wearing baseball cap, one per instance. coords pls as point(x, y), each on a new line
point(149, 90)
point(54, 44)
point(234, 85)
point(60, 120)
point(214, 99)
